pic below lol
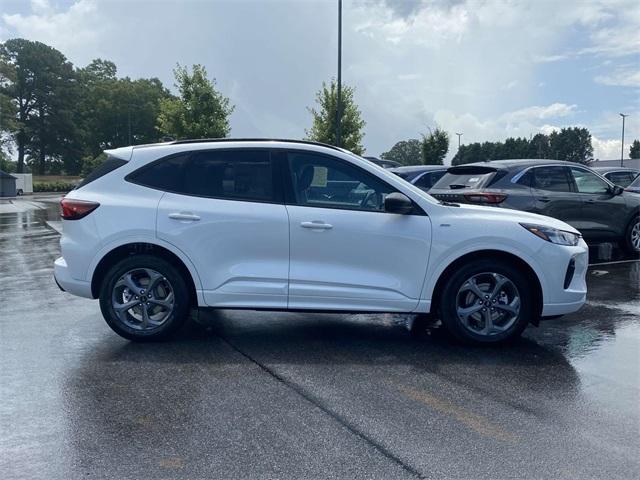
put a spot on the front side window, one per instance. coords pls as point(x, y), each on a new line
point(320, 181)
point(588, 182)
point(553, 179)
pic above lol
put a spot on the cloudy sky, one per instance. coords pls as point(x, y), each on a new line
point(487, 68)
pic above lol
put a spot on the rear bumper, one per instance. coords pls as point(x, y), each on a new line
point(67, 283)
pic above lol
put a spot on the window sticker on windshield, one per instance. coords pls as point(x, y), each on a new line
point(474, 180)
point(319, 177)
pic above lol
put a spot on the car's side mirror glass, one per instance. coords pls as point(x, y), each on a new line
point(397, 202)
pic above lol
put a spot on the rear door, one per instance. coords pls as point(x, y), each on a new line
point(603, 214)
point(555, 196)
point(347, 253)
point(224, 210)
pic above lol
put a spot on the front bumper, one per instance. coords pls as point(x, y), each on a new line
point(67, 283)
point(558, 300)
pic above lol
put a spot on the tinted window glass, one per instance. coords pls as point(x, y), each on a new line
point(620, 178)
point(233, 174)
point(588, 182)
point(166, 174)
point(554, 179)
point(109, 165)
point(455, 181)
point(428, 180)
point(320, 181)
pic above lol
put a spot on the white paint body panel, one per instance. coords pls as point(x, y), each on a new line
point(365, 261)
point(256, 255)
point(241, 249)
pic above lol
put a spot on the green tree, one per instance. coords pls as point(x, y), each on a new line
point(634, 149)
point(324, 124)
point(200, 111)
point(572, 144)
point(406, 152)
point(435, 147)
point(42, 94)
point(116, 112)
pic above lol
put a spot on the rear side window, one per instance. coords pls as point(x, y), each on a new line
point(240, 174)
point(166, 174)
point(109, 165)
point(553, 179)
point(226, 174)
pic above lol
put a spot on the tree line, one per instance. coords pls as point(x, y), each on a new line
point(56, 118)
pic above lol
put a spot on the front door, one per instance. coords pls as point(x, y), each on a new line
point(555, 196)
point(347, 253)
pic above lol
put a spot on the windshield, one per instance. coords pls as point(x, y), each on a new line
point(636, 182)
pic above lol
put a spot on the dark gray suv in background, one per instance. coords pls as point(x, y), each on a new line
point(567, 191)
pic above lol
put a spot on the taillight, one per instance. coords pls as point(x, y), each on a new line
point(72, 209)
point(483, 197)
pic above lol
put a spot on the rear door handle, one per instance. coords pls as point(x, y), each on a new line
point(543, 199)
point(188, 216)
point(317, 225)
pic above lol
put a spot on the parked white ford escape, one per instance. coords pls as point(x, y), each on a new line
point(262, 224)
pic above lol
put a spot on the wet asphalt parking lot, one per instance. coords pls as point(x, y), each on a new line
point(275, 395)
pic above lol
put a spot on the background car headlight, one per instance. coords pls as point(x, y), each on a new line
point(553, 235)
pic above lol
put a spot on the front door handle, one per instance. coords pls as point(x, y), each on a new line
point(317, 225)
point(543, 199)
point(188, 216)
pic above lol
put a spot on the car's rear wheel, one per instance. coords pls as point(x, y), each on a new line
point(486, 301)
point(632, 237)
point(144, 298)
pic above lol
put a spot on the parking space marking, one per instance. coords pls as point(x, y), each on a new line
point(475, 422)
point(614, 263)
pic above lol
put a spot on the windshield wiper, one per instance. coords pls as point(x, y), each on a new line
point(456, 186)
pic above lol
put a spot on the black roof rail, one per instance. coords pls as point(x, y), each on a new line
point(222, 140)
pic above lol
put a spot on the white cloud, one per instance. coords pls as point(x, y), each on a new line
point(76, 31)
point(621, 77)
point(607, 149)
point(554, 110)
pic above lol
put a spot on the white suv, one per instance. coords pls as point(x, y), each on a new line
point(292, 225)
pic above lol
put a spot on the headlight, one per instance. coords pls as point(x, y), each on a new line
point(553, 235)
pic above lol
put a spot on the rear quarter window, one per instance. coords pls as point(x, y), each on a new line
point(108, 166)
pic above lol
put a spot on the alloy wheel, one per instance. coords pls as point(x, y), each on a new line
point(634, 236)
point(143, 299)
point(488, 303)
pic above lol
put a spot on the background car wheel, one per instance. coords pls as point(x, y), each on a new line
point(144, 298)
point(487, 302)
point(632, 237)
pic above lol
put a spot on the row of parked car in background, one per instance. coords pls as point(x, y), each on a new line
point(603, 203)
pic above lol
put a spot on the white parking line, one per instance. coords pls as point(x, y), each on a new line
point(613, 263)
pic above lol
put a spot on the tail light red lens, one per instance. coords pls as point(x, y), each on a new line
point(72, 209)
point(482, 197)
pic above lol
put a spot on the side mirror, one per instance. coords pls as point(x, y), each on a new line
point(617, 190)
point(397, 202)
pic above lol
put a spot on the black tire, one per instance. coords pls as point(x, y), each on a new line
point(628, 236)
point(449, 302)
point(177, 284)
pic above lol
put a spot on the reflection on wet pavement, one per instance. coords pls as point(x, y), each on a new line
point(282, 395)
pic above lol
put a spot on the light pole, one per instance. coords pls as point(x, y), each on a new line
point(459, 135)
point(622, 149)
point(339, 99)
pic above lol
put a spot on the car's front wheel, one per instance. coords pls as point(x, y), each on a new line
point(486, 301)
point(632, 237)
point(144, 298)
